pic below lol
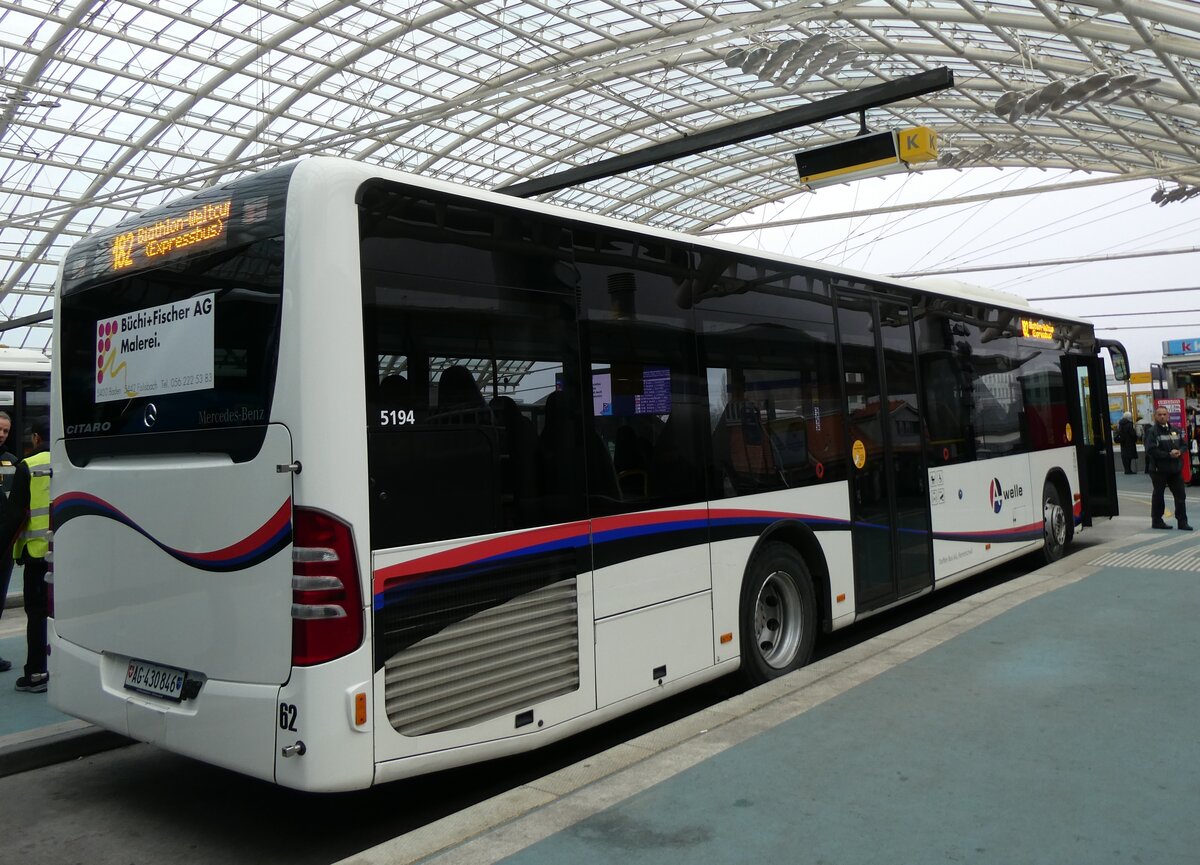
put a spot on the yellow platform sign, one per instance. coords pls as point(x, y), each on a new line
point(917, 144)
point(866, 155)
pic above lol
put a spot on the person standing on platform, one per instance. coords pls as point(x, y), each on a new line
point(10, 520)
point(1164, 449)
point(1127, 436)
point(31, 496)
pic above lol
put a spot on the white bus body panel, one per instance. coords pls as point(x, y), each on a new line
point(324, 409)
point(231, 724)
point(639, 650)
point(989, 510)
point(317, 708)
point(651, 579)
point(152, 570)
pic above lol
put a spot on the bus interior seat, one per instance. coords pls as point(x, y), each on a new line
point(632, 456)
point(676, 471)
point(560, 440)
point(518, 469)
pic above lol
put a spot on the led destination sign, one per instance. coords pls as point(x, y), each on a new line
point(199, 228)
point(209, 222)
point(1033, 329)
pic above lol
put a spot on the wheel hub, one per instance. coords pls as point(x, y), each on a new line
point(1055, 523)
point(778, 620)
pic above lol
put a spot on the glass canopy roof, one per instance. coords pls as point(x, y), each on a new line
point(110, 106)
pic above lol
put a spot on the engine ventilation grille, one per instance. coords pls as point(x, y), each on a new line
point(502, 659)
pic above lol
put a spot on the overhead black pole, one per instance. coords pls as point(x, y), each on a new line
point(27, 320)
point(735, 133)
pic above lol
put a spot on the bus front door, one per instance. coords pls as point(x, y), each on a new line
point(888, 482)
point(1091, 433)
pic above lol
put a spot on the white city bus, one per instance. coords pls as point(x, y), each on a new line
point(359, 475)
point(24, 393)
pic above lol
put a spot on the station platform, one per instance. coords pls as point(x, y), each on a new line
point(32, 733)
point(1049, 719)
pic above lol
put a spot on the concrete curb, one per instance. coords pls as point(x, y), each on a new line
point(46, 746)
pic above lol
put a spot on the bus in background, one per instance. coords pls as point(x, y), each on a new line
point(391, 476)
point(24, 393)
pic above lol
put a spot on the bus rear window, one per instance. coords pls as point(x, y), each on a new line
point(180, 358)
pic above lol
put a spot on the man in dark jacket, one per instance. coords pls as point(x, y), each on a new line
point(10, 520)
point(1164, 449)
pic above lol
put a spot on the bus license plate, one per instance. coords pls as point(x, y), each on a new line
point(155, 679)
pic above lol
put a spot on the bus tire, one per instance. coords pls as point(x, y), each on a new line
point(1055, 531)
point(778, 615)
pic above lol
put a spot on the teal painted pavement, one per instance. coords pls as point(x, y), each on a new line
point(19, 712)
point(1066, 730)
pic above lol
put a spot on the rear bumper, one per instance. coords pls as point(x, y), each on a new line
point(229, 724)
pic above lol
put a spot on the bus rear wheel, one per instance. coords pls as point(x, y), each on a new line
point(778, 615)
point(1055, 531)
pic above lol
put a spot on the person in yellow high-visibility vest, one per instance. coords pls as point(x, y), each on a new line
point(31, 495)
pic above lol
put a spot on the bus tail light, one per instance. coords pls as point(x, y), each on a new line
point(326, 599)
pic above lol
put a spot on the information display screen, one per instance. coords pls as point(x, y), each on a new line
point(203, 227)
point(627, 391)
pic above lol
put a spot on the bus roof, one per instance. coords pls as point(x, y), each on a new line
point(23, 360)
point(935, 285)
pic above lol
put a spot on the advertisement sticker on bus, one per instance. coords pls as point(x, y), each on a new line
point(156, 351)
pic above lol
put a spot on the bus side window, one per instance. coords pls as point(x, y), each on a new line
point(773, 391)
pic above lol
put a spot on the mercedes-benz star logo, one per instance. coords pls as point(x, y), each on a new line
point(150, 416)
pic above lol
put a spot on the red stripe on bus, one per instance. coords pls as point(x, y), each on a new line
point(471, 553)
point(260, 536)
point(468, 554)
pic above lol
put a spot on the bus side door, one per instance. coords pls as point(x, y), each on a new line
point(884, 420)
point(1087, 413)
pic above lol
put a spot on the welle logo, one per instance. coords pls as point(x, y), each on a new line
point(999, 495)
